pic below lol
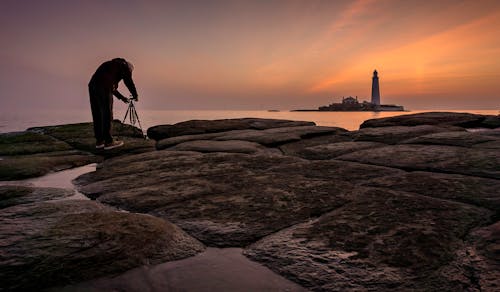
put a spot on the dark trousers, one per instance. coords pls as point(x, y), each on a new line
point(101, 103)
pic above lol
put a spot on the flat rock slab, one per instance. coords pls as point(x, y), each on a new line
point(332, 150)
point(488, 145)
point(226, 199)
point(172, 141)
point(229, 146)
point(277, 136)
point(455, 138)
point(269, 137)
point(81, 136)
point(297, 147)
point(41, 150)
point(57, 243)
point(23, 143)
point(27, 166)
point(195, 127)
point(381, 240)
point(464, 120)
point(11, 195)
point(395, 134)
point(213, 270)
point(433, 158)
point(485, 131)
point(31, 154)
point(482, 192)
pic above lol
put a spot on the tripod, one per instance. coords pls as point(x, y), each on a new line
point(133, 116)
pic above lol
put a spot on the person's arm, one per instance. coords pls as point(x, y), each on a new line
point(120, 96)
point(127, 79)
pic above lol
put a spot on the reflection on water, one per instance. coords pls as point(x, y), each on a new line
point(215, 269)
point(18, 121)
point(61, 179)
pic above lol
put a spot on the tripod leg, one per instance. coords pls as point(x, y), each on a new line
point(133, 116)
point(139, 122)
point(126, 113)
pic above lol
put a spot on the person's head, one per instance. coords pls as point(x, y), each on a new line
point(124, 62)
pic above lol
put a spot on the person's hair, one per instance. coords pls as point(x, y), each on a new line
point(124, 62)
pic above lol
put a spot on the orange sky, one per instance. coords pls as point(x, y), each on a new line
point(255, 54)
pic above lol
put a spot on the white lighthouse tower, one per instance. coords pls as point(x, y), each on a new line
point(375, 89)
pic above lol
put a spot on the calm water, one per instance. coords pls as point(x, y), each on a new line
point(18, 121)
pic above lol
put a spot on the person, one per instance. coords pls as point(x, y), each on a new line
point(102, 86)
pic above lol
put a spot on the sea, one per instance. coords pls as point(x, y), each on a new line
point(13, 121)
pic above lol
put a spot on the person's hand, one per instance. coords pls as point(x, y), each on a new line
point(125, 100)
point(135, 98)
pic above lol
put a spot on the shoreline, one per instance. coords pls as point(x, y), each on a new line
point(345, 111)
point(20, 121)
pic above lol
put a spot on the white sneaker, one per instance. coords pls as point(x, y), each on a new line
point(112, 145)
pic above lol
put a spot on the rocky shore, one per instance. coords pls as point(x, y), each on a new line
point(404, 203)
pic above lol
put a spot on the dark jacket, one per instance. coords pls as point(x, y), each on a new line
point(110, 73)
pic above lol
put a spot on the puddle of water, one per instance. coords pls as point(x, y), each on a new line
point(215, 269)
point(62, 179)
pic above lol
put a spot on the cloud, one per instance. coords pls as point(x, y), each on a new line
point(464, 57)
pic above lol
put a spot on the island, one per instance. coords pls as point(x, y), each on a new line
point(351, 104)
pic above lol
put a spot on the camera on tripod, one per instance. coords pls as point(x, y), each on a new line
point(133, 116)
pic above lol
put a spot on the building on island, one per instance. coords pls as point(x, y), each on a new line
point(352, 104)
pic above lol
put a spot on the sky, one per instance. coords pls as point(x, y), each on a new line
point(254, 54)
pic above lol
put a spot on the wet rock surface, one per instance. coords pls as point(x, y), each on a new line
point(405, 203)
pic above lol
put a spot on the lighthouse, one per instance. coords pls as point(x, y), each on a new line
point(375, 89)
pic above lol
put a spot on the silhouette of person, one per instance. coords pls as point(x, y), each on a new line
point(102, 86)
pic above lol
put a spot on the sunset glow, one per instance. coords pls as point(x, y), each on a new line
point(255, 54)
